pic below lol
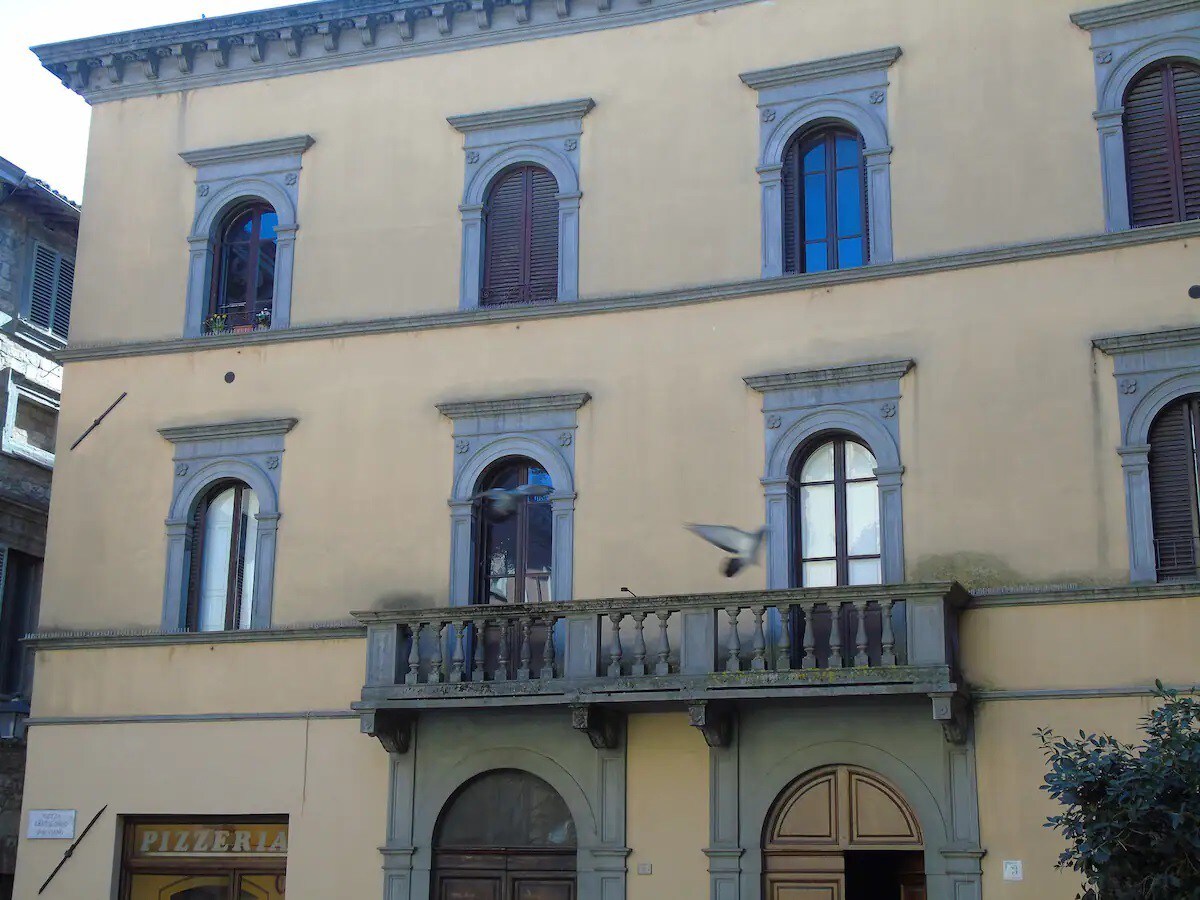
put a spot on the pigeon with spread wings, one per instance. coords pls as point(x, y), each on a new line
point(744, 545)
point(500, 504)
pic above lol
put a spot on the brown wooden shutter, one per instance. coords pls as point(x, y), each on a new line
point(1162, 144)
point(521, 238)
point(1173, 490)
point(792, 207)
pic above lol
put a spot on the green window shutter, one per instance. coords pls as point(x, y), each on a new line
point(51, 285)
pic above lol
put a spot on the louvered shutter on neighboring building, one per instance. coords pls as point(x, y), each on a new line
point(1173, 490)
point(521, 238)
point(1162, 144)
point(52, 283)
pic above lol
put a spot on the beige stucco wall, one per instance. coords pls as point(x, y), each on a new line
point(668, 155)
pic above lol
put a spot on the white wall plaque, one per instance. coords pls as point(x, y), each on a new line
point(53, 824)
point(1013, 870)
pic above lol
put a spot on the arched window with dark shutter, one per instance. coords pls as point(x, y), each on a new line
point(1173, 496)
point(521, 238)
point(514, 545)
point(1162, 144)
point(223, 557)
point(242, 293)
point(824, 201)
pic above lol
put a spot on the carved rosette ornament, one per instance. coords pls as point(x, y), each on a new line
point(774, 421)
point(462, 445)
point(1128, 386)
point(888, 410)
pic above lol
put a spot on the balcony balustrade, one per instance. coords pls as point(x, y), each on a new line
point(699, 651)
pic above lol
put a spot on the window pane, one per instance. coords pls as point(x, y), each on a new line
point(214, 567)
point(817, 533)
point(860, 462)
point(819, 465)
point(233, 276)
point(249, 555)
point(815, 207)
point(820, 574)
point(816, 257)
point(862, 517)
point(541, 532)
point(814, 159)
point(847, 151)
point(850, 253)
point(240, 228)
point(261, 887)
point(270, 221)
point(849, 203)
point(264, 289)
point(507, 809)
point(180, 887)
point(865, 571)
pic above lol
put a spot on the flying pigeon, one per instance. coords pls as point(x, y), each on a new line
point(500, 504)
point(744, 545)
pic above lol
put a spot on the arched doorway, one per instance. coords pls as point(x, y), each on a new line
point(842, 833)
point(506, 835)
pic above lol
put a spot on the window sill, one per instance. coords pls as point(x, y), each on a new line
point(24, 332)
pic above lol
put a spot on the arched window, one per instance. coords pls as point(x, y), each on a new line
point(1173, 497)
point(514, 548)
point(224, 551)
point(243, 284)
point(837, 514)
point(521, 238)
point(824, 201)
point(1162, 143)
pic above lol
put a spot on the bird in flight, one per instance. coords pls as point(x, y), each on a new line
point(744, 545)
point(500, 504)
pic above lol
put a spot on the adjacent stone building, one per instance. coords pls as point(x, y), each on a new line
point(38, 231)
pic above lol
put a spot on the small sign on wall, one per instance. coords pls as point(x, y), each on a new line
point(51, 824)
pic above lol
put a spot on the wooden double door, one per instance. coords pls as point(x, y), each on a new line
point(504, 875)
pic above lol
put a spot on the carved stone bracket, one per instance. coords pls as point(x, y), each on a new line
point(393, 728)
point(952, 712)
point(715, 721)
point(602, 725)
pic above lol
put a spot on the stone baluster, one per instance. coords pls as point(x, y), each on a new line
point(501, 673)
point(861, 656)
point(639, 645)
point(615, 651)
point(414, 654)
point(458, 656)
point(783, 658)
point(526, 652)
point(435, 661)
point(758, 658)
point(734, 662)
point(548, 650)
point(809, 660)
point(663, 666)
point(479, 670)
point(888, 656)
point(835, 636)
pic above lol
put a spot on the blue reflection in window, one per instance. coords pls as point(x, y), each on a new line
point(849, 203)
point(850, 253)
point(816, 257)
point(816, 209)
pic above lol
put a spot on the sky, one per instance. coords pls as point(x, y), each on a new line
point(44, 126)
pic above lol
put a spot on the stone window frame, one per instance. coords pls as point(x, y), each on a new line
point(852, 89)
point(541, 428)
point(861, 400)
point(225, 176)
point(18, 388)
point(249, 451)
point(1152, 370)
point(1125, 39)
point(548, 135)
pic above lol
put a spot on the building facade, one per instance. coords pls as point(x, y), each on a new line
point(39, 229)
point(435, 322)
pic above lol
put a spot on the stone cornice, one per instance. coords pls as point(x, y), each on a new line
point(869, 61)
point(222, 430)
point(1150, 340)
point(1089, 19)
point(325, 35)
point(251, 150)
point(467, 409)
point(523, 115)
point(133, 637)
point(707, 293)
point(1053, 595)
point(824, 377)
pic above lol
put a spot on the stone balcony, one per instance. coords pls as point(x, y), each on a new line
point(703, 652)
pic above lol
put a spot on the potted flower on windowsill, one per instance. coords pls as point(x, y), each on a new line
point(262, 319)
point(217, 323)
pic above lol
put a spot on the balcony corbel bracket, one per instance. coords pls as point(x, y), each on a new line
point(393, 728)
point(602, 725)
point(715, 721)
point(950, 710)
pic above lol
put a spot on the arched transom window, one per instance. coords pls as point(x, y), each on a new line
point(837, 514)
point(521, 238)
point(514, 548)
point(824, 201)
point(1162, 143)
point(243, 286)
point(224, 553)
